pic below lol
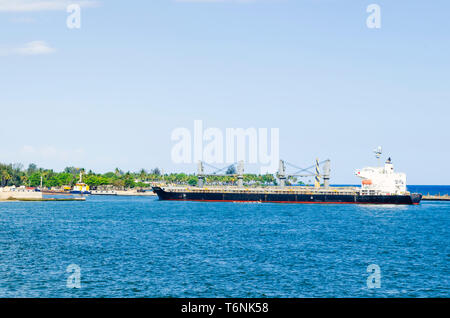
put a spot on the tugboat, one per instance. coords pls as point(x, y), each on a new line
point(80, 187)
point(380, 185)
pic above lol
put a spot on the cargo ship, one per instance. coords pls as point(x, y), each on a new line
point(380, 185)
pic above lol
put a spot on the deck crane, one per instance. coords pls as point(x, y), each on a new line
point(219, 172)
point(306, 172)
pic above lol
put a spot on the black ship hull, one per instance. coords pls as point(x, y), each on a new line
point(413, 198)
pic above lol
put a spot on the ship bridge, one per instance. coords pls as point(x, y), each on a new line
point(382, 180)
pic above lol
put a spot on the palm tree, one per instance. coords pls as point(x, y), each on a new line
point(143, 174)
point(24, 180)
point(5, 177)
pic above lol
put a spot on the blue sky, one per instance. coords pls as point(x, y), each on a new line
point(109, 94)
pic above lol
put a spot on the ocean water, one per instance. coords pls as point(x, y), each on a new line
point(142, 247)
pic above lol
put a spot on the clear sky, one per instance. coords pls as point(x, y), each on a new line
point(109, 94)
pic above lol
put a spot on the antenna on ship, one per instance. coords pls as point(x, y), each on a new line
point(378, 151)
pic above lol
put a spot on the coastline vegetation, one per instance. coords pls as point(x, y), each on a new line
point(17, 175)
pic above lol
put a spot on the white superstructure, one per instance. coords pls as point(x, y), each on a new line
point(382, 180)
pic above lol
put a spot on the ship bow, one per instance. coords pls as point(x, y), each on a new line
point(416, 198)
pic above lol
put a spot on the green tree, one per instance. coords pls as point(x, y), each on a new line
point(32, 168)
point(5, 177)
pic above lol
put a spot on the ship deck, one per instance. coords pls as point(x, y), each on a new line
point(265, 190)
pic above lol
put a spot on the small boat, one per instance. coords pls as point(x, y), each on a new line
point(80, 187)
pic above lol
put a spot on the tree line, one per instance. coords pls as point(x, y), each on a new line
point(17, 175)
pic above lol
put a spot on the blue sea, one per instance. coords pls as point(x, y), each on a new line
point(142, 247)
